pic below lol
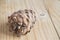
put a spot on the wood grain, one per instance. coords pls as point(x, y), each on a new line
point(42, 30)
point(53, 6)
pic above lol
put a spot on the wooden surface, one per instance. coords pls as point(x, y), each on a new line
point(47, 26)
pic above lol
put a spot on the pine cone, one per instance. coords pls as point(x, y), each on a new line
point(22, 21)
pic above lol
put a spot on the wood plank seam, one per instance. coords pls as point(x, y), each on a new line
point(51, 19)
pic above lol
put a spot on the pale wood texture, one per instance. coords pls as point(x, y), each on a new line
point(44, 29)
point(53, 7)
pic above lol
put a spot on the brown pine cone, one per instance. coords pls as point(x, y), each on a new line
point(22, 21)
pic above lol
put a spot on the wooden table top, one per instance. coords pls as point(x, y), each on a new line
point(47, 26)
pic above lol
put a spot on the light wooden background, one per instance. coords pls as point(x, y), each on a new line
point(47, 26)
